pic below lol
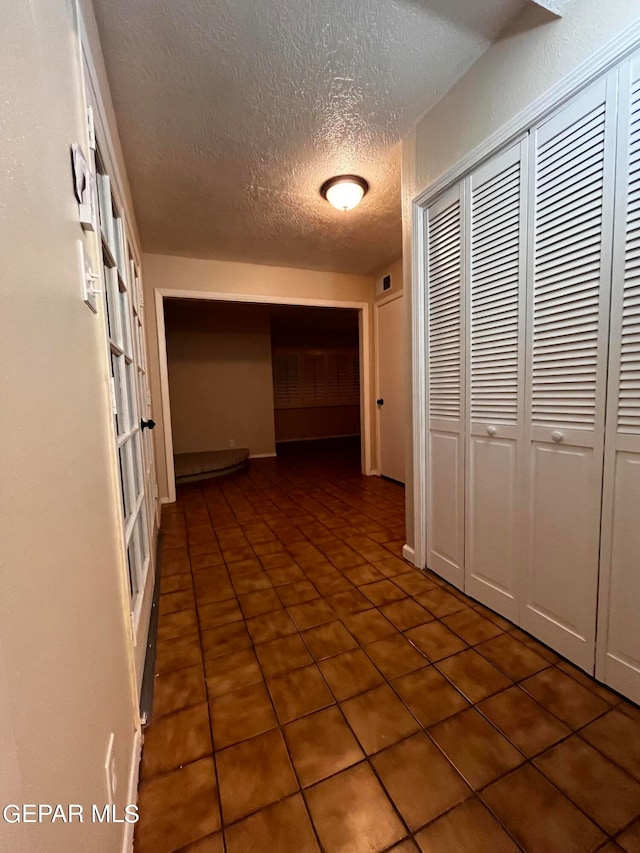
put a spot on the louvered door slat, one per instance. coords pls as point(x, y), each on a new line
point(618, 660)
point(445, 381)
point(494, 321)
point(445, 354)
point(570, 272)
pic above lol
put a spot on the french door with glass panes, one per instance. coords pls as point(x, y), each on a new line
point(123, 304)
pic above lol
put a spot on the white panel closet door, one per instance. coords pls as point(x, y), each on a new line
point(570, 275)
point(445, 355)
point(496, 247)
point(618, 659)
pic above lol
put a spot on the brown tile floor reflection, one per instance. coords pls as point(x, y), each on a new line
point(316, 692)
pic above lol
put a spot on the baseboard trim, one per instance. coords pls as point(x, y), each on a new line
point(132, 792)
point(262, 455)
point(409, 554)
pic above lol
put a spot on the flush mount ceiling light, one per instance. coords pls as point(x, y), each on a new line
point(344, 192)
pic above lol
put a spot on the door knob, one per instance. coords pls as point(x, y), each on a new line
point(380, 402)
point(491, 430)
point(556, 435)
point(148, 424)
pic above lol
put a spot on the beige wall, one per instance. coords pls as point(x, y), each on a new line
point(535, 52)
point(162, 272)
point(220, 378)
point(65, 663)
point(395, 270)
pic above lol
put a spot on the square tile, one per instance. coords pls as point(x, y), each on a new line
point(363, 574)
point(439, 602)
point(471, 626)
point(224, 639)
point(352, 813)
point(629, 840)
point(347, 602)
point(523, 721)
point(311, 613)
point(257, 603)
point(328, 640)
point(538, 816)
point(589, 682)
point(205, 561)
point(350, 673)
point(469, 828)
point(178, 808)
point(474, 676)
point(512, 657)
point(379, 718)
point(282, 655)
point(429, 696)
point(406, 613)
point(177, 624)
point(177, 653)
point(382, 592)
point(299, 692)
point(209, 587)
point(368, 626)
point(229, 672)
point(254, 774)
point(280, 828)
point(178, 689)
point(391, 567)
point(174, 602)
point(419, 780)
point(618, 737)
point(241, 714)
point(564, 697)
point(297, 593)
point(270, 626)
point(320, 745)
point(285, 575)
point(219, 613)
point(475, 748)
point(175, 583)
point(435, 640)
point(208, 844)
point(395, 656)
point(606, 793)
point(414, 582)
point(175, 739)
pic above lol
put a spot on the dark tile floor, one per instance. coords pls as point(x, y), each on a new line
point(316, 692)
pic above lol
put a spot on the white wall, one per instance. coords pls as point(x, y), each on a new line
point(536, 51)
point(220, 377)
point(163, 272)
point(65, 661)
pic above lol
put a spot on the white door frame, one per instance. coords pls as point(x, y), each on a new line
point(391, 297)
point(363, 309)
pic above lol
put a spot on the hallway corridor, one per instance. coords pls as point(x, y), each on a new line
point(316, 692)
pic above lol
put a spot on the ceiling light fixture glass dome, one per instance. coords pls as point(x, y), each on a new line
point(344, 192)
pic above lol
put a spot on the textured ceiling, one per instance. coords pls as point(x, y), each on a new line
point(233, 112)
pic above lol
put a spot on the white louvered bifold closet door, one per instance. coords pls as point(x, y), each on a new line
point(568, 318)
point(495, 311)
point(618, 659)
point(445, 356)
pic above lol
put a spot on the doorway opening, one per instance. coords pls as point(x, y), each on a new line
point(219, 374)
